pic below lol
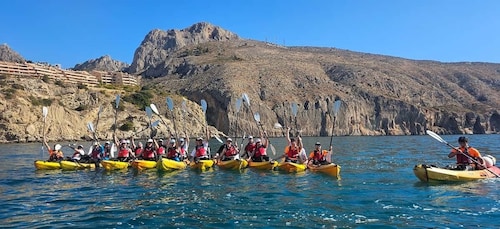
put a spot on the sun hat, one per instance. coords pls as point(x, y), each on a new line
point(150, 140)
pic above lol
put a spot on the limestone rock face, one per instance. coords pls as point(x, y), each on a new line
point(152, 57)
point(9, 55)
point(103, 63)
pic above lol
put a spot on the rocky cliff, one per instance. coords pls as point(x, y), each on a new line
point(151, 58)
point(103, 63)
point(9, 55)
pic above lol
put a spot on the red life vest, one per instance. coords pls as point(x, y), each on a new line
point(160, 150)
point(261, 151)
point(293, 153)
point(318, 156)
point(183, 152)
point(124, 152)
point(96, 152)
point(148, 153)
point(230, 151)
point(201, 151)
point(172, 153)
point(250, 147)
point(138, 151)
point(462, 159)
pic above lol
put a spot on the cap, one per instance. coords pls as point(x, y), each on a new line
point(229, 140)
point(199, 139)
point(79, 147)
point(161, 140)
point(96, 143)
point(463, 139)
point(150, 140)
point(257, 140)
point(107, 143)
point(250, 137)
point(123, 141)
point(172, 140)
point(181, 139)
point(57, 147)
point(292, 139)
point(318, 143)
point(127, 141)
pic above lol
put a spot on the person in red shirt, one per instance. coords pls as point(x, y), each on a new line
point(466, 156)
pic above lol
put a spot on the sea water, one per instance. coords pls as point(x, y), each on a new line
point(377, 189)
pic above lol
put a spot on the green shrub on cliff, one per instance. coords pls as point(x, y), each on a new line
point(40, 102)
point(141, 98)
point(127, 126)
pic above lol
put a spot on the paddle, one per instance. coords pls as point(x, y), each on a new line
point(294, 109)
point(439, 139)
point(170, 105)
point(45, 112)
point(238, 107)
point(152, 108)
point(184, 108)
point(97, 123)
point(246, 99)
point(336, 108)
point(149, 113)
point(117, 103)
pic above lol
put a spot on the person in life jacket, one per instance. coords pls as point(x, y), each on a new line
point(173, 151)
point(293, 151)
point(77, 154)
point(97, 154)
point(107, 150)
point(137, 149)
point(55, 154)
point(249, 148)
point(200, 151)
point(468, 158)
point(229, 152)
point(149, 152)
point(124, 151)
point(161, 148)
point(183, 147)
point(259, 153)
point(317, 156)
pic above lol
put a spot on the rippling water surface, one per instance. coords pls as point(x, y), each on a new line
point(377, 189)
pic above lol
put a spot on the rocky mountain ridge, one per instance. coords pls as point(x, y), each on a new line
point(103, 63)
point(9, 55)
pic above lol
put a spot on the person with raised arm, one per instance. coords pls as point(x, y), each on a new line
point(201, 151)
point(55, 154)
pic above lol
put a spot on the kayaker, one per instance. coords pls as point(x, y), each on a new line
point(200, 151)
point(317, 156)
point(54, 154)
point(124, 152)
point(183, 147)
point(293, 150)
point(464, 162)
point(259, 153)
point(97, 153)
point(229, 152)
point(137, 148)
point(79, 152)
point(173, 151)
point(149, 152)
point(107, 150)
point(249, 148)
point(161, 148)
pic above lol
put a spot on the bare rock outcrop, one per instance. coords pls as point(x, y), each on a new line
point(103, 63)
point(152, 57)
point(9, 55)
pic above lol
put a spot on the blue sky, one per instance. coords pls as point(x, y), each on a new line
point(72, 31)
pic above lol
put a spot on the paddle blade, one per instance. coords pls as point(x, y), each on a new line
point(149, 112)
point(336, 107)
point(154, 109)
point(256, 116)
point(218, 139)
point(203, 105)
point(45, 112)
point(436, 136)
point(184, 106)
point(117, 101)
point(170, 104)
point(246, 99)
point(155, 123)
point(272, 149)
point(238, 104)
point(90, 127)
point(295, 109)
point(277, 125)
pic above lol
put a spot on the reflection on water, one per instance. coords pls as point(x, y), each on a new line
point(378, 188)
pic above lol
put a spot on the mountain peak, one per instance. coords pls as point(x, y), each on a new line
point(159, 44)
point(9, 55)
point(103, 63)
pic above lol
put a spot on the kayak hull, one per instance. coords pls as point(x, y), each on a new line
point(233, 164)
point(47, 165)
point(429, 173)
point(166, 165)
point(144, 164)
point(290, 167)
point(202, 165)
point(114, 165)
point(329, 169)
point(264, 165)
point(70, 165)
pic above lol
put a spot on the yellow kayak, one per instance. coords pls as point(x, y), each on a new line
point(70, 165)
point(233, 164)
point(114, 165)
point(143, 164)
point(165, 164)
point(202, 164)
point(264, 165)
point(428, 173)
point(47, 165)
point(330, 169)
point(290, 167)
